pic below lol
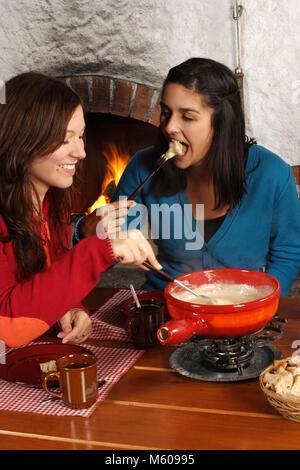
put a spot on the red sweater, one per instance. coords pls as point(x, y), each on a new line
point(31, 307)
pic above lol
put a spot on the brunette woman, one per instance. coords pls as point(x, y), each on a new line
point(42, 281)
point(251, 216)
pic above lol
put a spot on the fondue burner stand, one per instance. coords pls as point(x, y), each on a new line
point(229, 359)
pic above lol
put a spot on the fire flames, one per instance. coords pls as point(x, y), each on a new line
point(117, 159)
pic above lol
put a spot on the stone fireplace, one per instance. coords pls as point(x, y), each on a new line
point(121, 118)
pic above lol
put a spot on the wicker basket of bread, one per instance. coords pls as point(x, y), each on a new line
point(280, 383)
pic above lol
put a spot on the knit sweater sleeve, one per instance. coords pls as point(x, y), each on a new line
point(31, 307)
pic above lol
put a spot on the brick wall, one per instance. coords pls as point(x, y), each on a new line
point(119, 97)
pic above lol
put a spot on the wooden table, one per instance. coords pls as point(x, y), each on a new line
point(152, 407)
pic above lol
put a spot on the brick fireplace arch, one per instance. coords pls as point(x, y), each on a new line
point(104, 94)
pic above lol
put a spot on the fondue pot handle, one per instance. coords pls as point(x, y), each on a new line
point(177, 331)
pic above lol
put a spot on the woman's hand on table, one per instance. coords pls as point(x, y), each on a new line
point(76, 326)
point(106, 218)
point(132, 247)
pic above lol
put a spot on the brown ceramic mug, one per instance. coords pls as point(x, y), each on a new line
point(142, 323)
point(77, 375)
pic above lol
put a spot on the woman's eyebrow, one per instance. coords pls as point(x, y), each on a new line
point(190, 110)
point(181, 109)
point(73, 132)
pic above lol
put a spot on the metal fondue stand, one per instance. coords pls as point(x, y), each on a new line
point(229, 360)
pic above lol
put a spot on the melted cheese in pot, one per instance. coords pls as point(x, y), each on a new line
point(224, 293)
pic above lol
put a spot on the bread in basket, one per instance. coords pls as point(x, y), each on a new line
point(280, 383)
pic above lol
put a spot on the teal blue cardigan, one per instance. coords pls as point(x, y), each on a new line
point(262, 233)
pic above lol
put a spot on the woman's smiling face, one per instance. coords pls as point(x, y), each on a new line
point(58, 168)
point(185, 117)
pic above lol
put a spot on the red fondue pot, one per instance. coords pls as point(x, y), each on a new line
point(218, 321)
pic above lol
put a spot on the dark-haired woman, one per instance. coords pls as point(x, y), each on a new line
point(248, 210)
point(42, 281)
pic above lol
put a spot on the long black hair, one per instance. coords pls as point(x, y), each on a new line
point(227, 156)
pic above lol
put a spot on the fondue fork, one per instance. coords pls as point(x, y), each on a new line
point(167, 276)
point(175, 147)
point(161, 161)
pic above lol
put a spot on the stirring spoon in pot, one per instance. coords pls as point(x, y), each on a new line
point(137, 302)
point(164, 275)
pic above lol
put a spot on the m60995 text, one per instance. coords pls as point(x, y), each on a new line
point(171, 459)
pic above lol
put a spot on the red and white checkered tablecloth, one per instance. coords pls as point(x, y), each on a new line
point(112, 364)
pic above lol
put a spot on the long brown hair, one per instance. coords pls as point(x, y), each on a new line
point(33, 123)
point(228, 153)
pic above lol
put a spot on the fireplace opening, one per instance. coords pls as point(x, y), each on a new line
point(111, 141)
